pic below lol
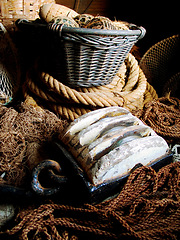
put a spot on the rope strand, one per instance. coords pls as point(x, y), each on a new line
point(128, 89)
point(146, 208)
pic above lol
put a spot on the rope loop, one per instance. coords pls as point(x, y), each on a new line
point(129, 89)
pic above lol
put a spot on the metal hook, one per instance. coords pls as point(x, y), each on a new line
point(49, 165)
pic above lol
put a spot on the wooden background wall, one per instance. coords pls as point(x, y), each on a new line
point(95, 6)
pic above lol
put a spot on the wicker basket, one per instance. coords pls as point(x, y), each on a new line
point(19, 8)
point(90, 57)
point(161, 62)
point(81, 57)
point(11, 10)
point(9, 67)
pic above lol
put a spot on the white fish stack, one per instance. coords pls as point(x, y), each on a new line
point(109, 142)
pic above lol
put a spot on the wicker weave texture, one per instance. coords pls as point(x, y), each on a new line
point(161, 62)
point(87, 60)
point(84, 65)
point(18, 8)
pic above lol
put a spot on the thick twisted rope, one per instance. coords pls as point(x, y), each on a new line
point(128, 89)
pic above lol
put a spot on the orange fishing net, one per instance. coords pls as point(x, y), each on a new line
point(21, 131)
point(163, 116)
point(148, 207)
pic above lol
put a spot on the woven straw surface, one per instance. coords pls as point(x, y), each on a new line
point(20, 8)
point(172, 86)
point(161, 62)
point(11, 10)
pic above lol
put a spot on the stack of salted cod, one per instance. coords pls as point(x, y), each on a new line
point(109, 142)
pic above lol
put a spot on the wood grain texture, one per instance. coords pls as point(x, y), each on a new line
point(97, 7)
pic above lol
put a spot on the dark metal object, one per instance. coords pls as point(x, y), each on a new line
point(50, 164)
point(10, 193)
point(71, 183)
point(76, 182)
point(67, 182)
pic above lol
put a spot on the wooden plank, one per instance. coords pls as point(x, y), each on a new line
point(97, 7)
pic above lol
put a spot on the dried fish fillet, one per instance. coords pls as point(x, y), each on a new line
point(118, 162)
point(110, 139)
point(95, 130)
point(109, 142)
point(89, 118)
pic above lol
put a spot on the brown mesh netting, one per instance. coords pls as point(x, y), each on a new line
point(161, 62)
point(23, 131)
point(163, 116)
point(148, 207)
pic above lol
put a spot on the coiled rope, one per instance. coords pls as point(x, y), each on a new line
point(128, 89)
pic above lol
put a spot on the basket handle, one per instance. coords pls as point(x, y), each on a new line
point(142, 30)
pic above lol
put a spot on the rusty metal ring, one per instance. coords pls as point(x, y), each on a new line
point(36, 185)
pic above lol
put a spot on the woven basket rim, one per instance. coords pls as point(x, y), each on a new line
point(134, 31)
point(138, 31)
